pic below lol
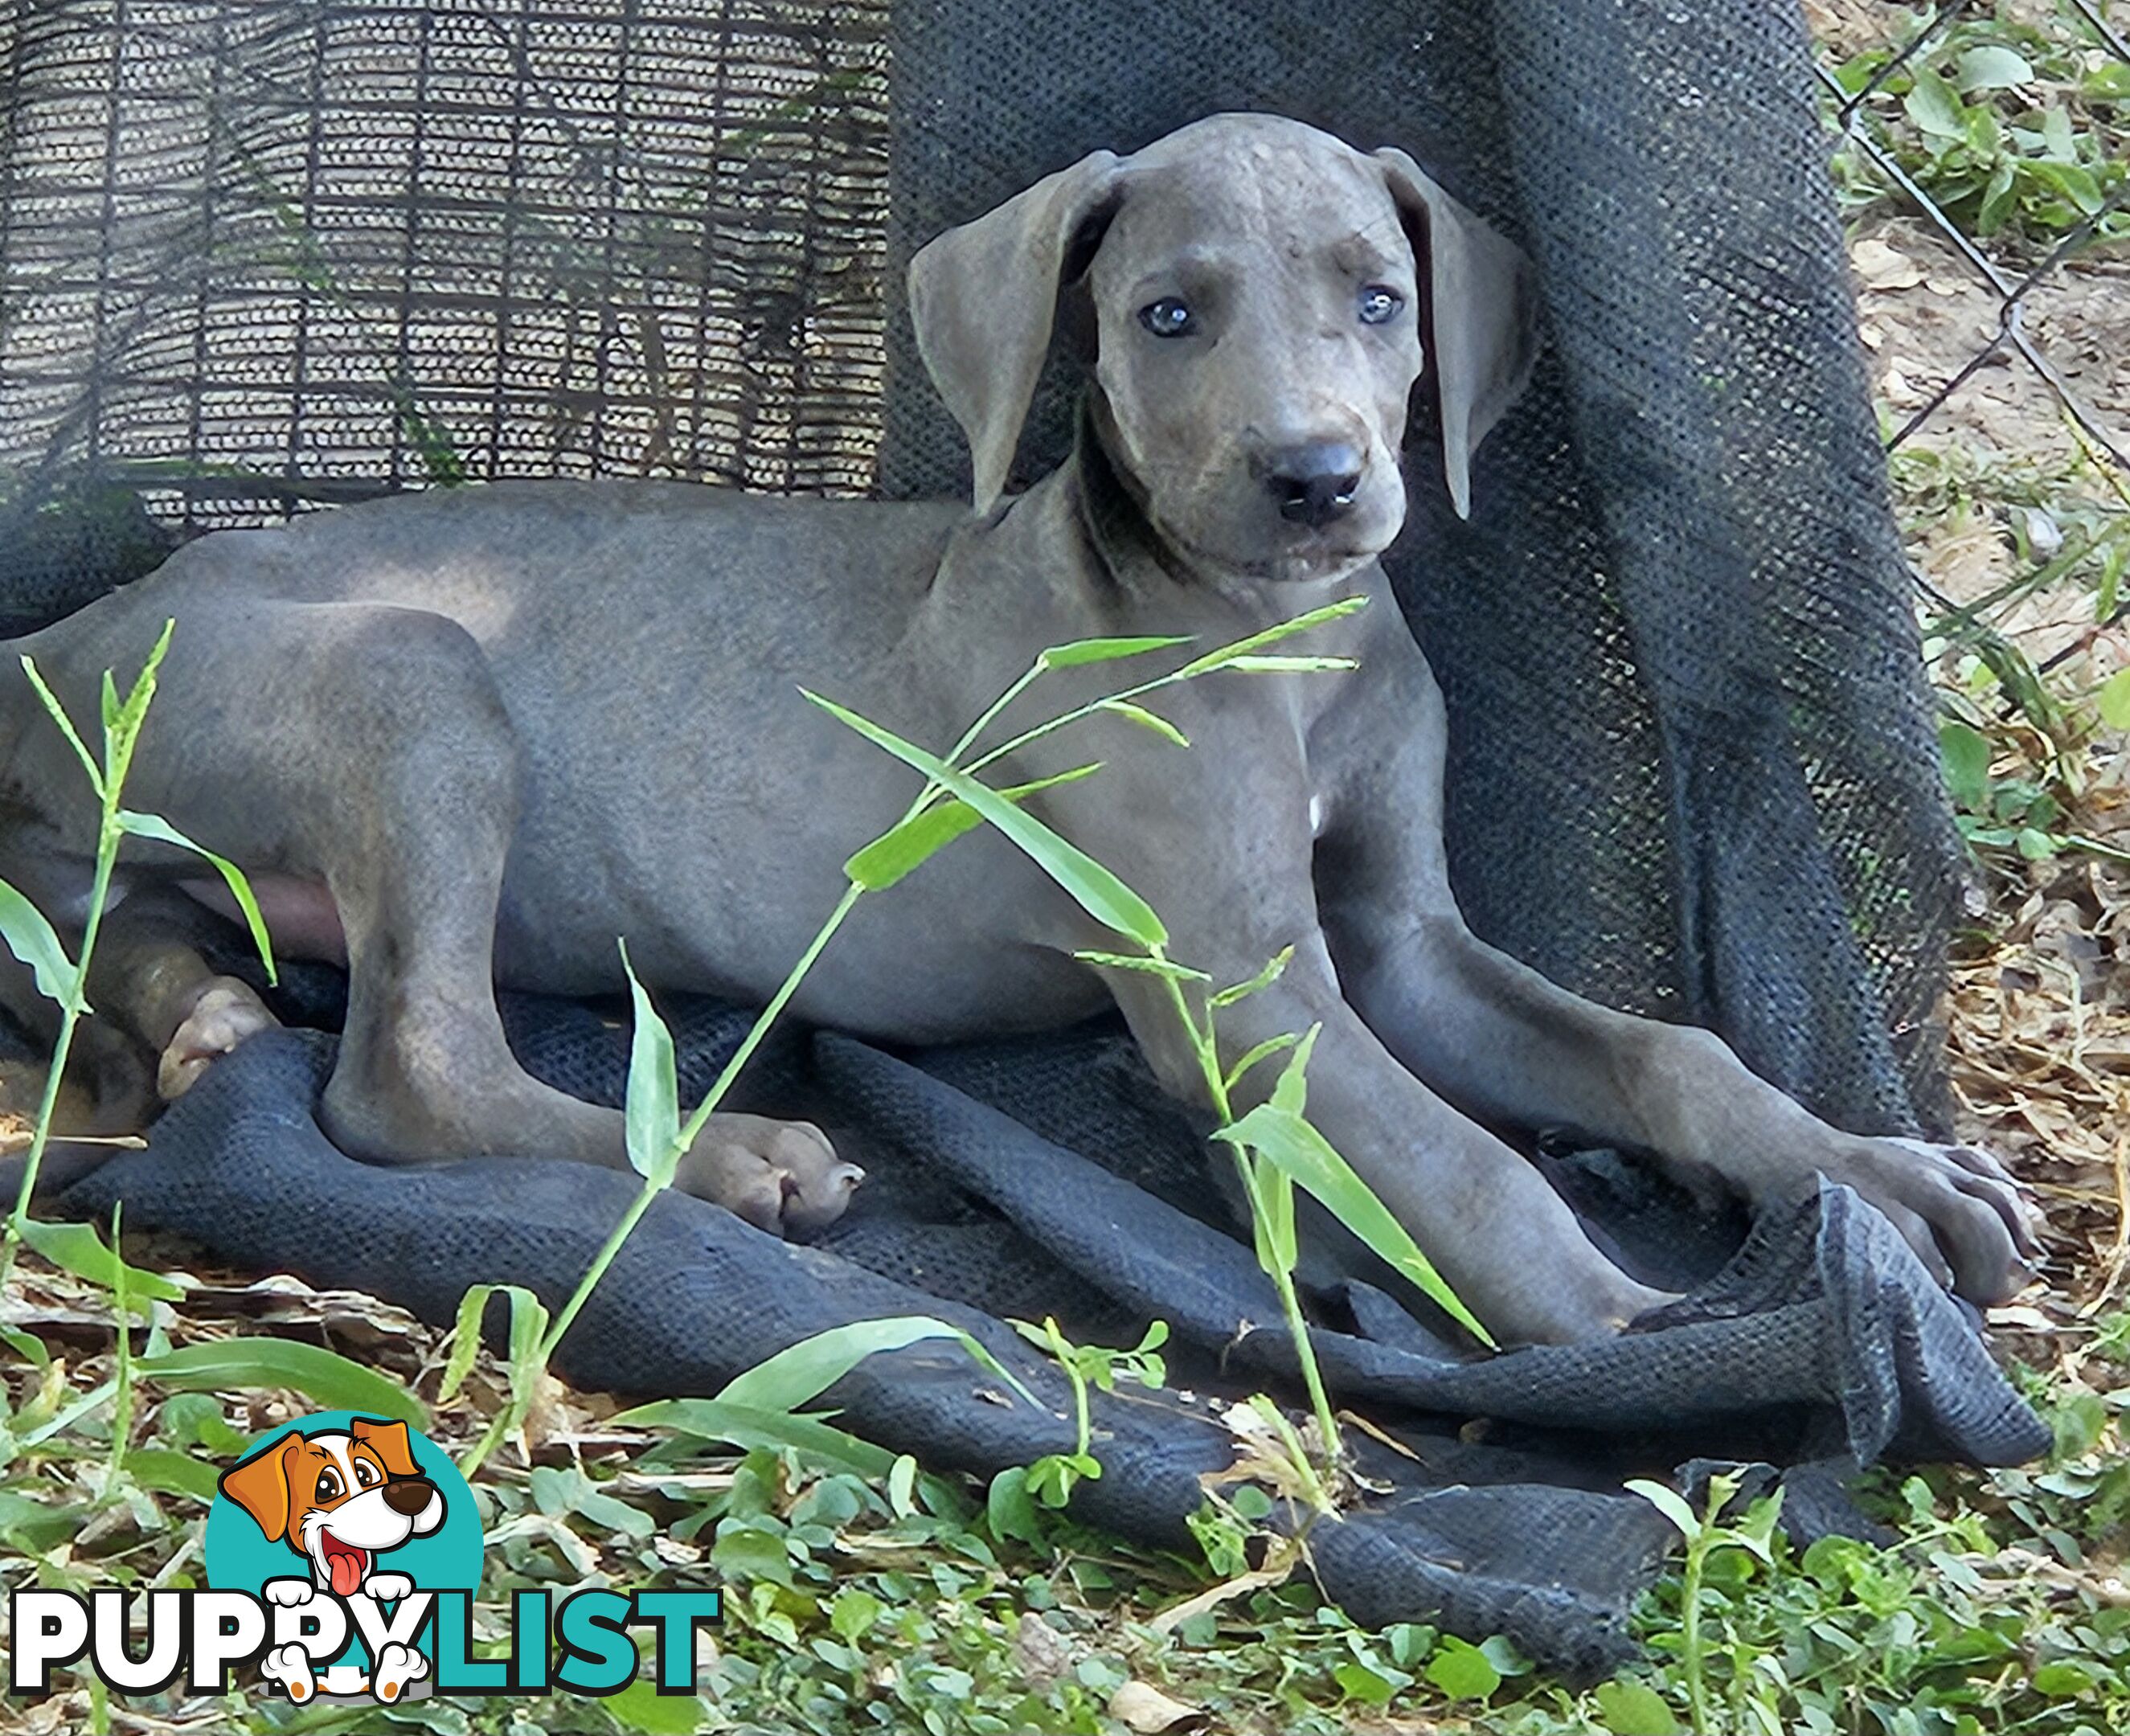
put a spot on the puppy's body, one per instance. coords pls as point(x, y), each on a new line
point(478, 735)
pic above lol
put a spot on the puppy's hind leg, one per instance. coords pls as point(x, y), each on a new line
point(416, 814)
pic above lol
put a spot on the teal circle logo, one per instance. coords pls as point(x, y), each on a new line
point(275, 1514)
point(340, 1512)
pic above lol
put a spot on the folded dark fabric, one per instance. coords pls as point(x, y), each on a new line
point(1822, 1344)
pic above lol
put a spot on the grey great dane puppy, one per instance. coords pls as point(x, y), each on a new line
point(472, 737)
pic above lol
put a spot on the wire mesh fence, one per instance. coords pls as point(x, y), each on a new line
point(1985, 149)
point(257, 255)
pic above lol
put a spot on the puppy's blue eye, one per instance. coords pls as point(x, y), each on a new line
point(1379, 302)
point(1167, 318)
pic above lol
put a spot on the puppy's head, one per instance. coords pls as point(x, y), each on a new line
point(339, 1499)
point(1262, 298)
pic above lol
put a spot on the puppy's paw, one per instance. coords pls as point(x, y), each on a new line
point(290, 1593)
point(1962, 1210)
point(388, 1587)
point(226, 1013)
point(289, 1666)
point(397, 1667)
point(779, 1175)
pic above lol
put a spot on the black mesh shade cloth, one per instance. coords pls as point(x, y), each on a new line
point(259, 256)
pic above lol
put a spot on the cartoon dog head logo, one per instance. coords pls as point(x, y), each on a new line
point(339, 1498)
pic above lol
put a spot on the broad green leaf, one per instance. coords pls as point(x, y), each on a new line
point(2036, 847)
point(1284, 1138)
point(1263, 979)
point(1966, 751)
point(162, 832)
point(852, 1613)
point(171, 1472)
point(2114, 700)
point(1146, 719)
point(58, 714)
point(640, 1706)
point(1091, 886)
point(748, 1552)
point(910, 843)
point(255, 1364)
point(1105, 650)
point(1167, 967)
point(1370, 1686)
point(31, 1350)
point(712, 1419)
point(1933, 106)
point(1010, 1511)
point(2064, 1679)
point(1462, 1671)
point(1670, 1503)
point(466, 1341)
point(2073, 181)
point(78, 1248)
point(1992, 67)
point(1273, 635)
point(802, 1372)
point(33, 939)
point(1634, 1709)
point(653, 1096)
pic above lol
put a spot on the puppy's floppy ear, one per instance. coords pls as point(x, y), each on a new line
point(260, 1485)
point(388, 1442)
point(1482, 305)
point(982, 298)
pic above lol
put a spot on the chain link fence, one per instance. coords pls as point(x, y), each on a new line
point(1985, 149)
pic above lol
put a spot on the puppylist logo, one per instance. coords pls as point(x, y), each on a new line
point(342, 1554)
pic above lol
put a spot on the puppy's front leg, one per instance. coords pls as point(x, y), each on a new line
point(1500, 1038)
point(1507, 1243)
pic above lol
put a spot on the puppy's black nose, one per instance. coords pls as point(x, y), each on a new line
point(408, 1495)
point(1313, 483)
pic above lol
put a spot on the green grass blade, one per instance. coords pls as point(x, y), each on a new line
point(1263, 979)
point(1082, 651)
point(910, 844)
point(1167, 967)
point(653, 1099)
point(1272, 634)
point(33, 941)
point(162, 832)
point(170, 1473)
point(78, 1248)
point(1091, 886)
point(58, 714)
point(801, 1373)
point(714, 1419)
point(1283, 1138)
point(904, 847)
point(466, 1341)
point(256, 1364)
point(1146, 719)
